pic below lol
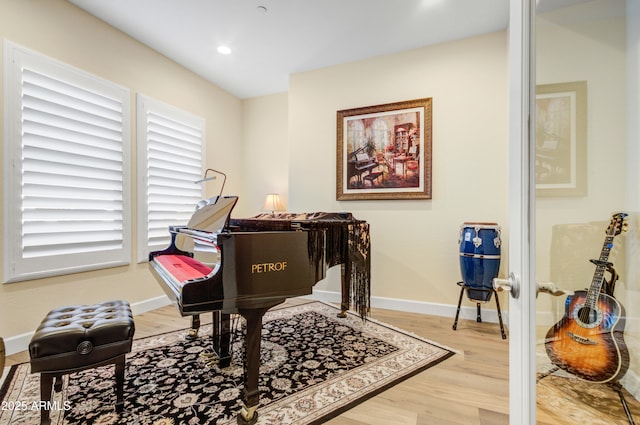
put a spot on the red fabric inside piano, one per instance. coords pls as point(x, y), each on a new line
point(182, 267)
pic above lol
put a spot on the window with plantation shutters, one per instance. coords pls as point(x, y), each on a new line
point(170, 161)
point(66, 137)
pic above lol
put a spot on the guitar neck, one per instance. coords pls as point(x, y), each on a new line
point(598, 275)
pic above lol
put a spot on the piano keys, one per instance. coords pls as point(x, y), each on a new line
point(194, 285)
point(247, 266)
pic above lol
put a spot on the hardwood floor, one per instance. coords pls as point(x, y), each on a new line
point(469, 388)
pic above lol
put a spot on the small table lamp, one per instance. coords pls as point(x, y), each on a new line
point(272, 203)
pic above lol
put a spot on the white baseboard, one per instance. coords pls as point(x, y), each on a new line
point(18, 343)
point(488, 311)
point(631, 380)
point(150, 304)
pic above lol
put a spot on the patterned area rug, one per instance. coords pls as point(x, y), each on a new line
point(313, 367)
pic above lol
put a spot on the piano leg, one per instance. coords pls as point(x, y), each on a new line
point(195, 326)
point(251, 400)
point(222, 337)
point(345, 273)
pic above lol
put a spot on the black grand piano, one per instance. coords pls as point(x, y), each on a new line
point(246, 266)
point(359, 164)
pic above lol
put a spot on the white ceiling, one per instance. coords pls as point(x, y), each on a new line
point(292, 35)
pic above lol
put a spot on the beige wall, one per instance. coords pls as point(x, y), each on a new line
point(570, 231)
point(414, 242)
point(265, 151)
point(286, 143)
point(63, 32)
point(592, 51)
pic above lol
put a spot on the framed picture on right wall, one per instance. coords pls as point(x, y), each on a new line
point(561, 139)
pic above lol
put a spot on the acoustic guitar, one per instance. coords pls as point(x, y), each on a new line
point(588, 341)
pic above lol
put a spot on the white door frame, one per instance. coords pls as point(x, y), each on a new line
point(522, 399)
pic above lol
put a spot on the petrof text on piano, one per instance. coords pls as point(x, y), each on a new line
point(269, 267)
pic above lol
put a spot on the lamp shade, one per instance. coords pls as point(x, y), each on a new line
point(272, 203)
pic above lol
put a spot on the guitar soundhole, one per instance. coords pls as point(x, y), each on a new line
point(587, 317)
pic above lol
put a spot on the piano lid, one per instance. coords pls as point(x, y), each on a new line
point(212, 214)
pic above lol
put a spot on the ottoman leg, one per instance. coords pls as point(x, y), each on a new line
point(46, 385)
point(120, 383)
point(57, 385)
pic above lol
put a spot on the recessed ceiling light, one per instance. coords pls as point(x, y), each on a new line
point(224, 50)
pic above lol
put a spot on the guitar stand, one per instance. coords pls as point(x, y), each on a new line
point(618, 388)
point(614, 386)
point(478, 314)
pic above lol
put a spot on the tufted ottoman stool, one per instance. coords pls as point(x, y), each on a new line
point(80, 337)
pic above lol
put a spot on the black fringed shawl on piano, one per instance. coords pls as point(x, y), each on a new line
point(346, 241)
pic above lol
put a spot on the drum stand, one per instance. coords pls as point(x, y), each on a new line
point(615, 386)
point(478, 314)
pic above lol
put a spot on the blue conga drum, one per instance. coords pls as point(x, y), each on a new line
point(479, 258)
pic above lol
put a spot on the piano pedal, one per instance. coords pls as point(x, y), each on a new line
point(191, 335)
point(210, 359)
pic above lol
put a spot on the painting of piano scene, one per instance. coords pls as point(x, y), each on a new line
point(384, 151)
point(561, 139)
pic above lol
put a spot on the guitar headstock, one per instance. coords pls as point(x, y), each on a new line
point(618, 224)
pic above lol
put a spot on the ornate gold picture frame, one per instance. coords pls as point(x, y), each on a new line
point(384, 151)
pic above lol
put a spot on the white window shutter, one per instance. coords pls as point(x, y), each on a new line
point(170, 159)
point(66, 169)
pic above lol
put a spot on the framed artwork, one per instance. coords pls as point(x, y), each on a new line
point(561, 139)
point(384, 151)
